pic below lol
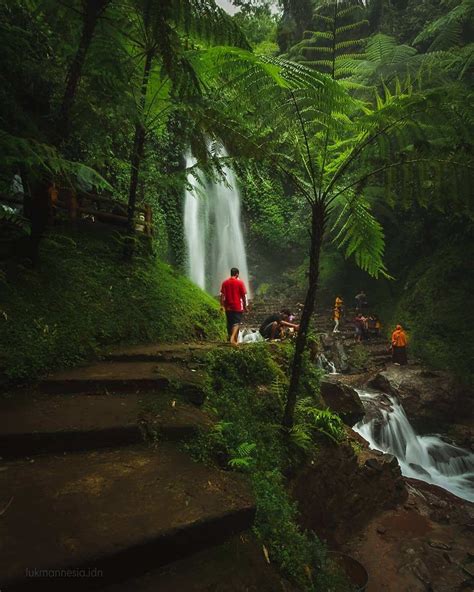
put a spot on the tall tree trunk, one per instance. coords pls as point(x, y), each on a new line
point(137, 154)
point(318, 222)
point(92, 11)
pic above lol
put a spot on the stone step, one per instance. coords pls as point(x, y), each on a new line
point(112, 377)
point(120, 512)
point(238, 565)
point(37, 423)
point(190, 354)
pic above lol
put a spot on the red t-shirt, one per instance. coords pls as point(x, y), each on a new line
point(234, 292)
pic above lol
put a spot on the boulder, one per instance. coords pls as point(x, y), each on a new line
point(340, 490)
point(431, 399)
point(339, 356)
point(343, 400)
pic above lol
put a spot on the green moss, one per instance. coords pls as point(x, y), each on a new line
point(84, 298)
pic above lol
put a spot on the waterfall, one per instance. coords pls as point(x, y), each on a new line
point(195, 224)
point(325, 364)
point(213, 228)
point(428, 458)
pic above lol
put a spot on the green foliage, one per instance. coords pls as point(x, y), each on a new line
point(84, 298)
point(246, 392)
point(259, 25)
point(312, 420)
point(434, 308)
point(361, 235)
point(359, 358)
point(447, 31)
point(335, 45)
point(243, 457)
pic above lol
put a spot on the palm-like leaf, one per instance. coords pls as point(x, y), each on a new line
point(446, 32)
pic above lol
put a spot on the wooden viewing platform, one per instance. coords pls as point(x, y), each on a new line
point(94, 207)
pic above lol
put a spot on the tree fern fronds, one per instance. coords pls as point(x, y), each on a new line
point(243, 456)
point(206, 21)
point(350, 43)
point(43, 159)
point(351, 27)
point(300, 437)
point(327, 19)
point(360, 234)
point(446, 31)
point(350, 9)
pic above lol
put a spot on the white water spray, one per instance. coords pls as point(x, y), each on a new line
point(428, 458)
point(195, 221)
point(213, 229)
point(325, 364)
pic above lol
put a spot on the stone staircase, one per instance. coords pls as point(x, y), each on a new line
point(93, 475)
point(322, 322)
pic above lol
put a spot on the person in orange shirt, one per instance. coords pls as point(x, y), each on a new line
point(399, 346)
point(337, 313)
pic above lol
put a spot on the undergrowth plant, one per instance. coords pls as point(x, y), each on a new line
point(246, 392)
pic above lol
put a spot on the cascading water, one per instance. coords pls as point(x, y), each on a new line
point(195, 224)
point(213, 229)
point(428, 458)
point(325, 364)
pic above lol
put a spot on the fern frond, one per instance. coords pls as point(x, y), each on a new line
point(360, 234)
point(446, 31)
point(300, 437)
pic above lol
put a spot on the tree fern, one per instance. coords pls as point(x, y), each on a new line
point(335, 45)
point(43, 159)
point(359, 234)
point(447, 31)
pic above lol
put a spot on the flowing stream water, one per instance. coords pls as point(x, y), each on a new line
point(428, 458)
point(325, 364)
point(213, 228)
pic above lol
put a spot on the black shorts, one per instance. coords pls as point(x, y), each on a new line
point(266, 332)
point(233, 318)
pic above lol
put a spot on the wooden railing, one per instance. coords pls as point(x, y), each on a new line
point(94, 207)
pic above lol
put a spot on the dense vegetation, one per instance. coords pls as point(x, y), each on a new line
point(373, 119)
point(246, 393)
point(349, 125)
point(85, 298)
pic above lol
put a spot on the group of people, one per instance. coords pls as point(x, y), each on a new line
point(364, 325)
point(234, 301)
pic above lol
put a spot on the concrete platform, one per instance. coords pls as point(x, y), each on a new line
point(127, 377)
point(187, 353)
point(238, 565)
point(35, 423)
point(121, 512)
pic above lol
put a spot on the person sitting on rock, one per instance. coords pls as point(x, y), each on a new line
point(399, 346)
point(273, 327)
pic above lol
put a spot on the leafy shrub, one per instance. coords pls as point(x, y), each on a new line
point(247, 392)
point(359, 357)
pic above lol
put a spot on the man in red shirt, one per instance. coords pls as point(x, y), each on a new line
point(234, 301)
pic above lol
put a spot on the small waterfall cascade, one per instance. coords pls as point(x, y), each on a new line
point(213, 228)
point(325, 364)
point(428, 458)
